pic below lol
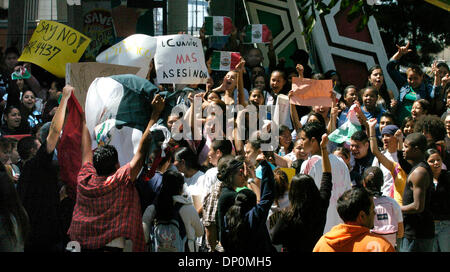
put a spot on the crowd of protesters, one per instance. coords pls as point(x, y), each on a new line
point(386, 189)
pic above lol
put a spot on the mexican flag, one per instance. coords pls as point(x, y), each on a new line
point(224, 60)
point(259, 33)
point(218, 25)
point(117, 112)
point(346, 130)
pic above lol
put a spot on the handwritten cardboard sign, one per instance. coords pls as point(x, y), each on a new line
point(81, 75)
point(136, 50)
point(52, 45)
point(179, 59)
point(311, 92)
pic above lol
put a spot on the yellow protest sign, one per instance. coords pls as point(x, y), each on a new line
point(290, 172)
point(52, 45)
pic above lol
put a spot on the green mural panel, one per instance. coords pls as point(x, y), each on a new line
point(273, 21)
point(287, 52)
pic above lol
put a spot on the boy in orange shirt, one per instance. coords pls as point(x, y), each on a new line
point(357, 210)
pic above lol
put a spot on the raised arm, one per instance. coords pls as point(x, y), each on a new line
point(398, 79)
point(261, 211)
point(58, 120)
point(86, 145)
point(399, 135)
point(326, 184)
point(361, 117)
point(326, 165)
point(137, 161)
point(281, 161)
point(333, 113)
point(294, 115)
point(374, 146)
point(292, 108)
point(436, 90)
point(240, 86)
point(401, 51)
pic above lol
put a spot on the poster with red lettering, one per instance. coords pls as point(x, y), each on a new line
point(179, 59)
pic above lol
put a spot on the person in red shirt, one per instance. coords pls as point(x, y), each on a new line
point(107, 209)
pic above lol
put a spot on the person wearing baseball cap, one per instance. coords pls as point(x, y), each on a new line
point(390, 148)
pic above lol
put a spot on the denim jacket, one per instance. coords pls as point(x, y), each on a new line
point(425, 90)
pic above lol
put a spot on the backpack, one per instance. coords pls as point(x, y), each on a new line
point(385, 221)
point(169, 235)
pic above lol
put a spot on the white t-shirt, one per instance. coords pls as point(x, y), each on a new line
point(340, 179)
point(190, 184)
point(206, 182)
point(387, 201)
point(388, 180)
point(270, 101)
point(291, 156)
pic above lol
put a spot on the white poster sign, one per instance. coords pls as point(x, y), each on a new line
point(136, 50)
point(179, 59)
point(282, 110)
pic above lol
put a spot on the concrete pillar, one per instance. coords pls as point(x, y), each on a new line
point(75, 17)
point(16, 15)
point(177, 16)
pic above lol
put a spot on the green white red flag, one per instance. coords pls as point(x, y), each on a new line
point(218, 25)
point(224, 60)
point(257, 33)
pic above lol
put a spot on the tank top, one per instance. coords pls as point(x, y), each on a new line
point(419, 225)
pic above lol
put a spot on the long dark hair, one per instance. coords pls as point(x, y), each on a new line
point(237, 229)
point(172, 184)
point(281, 184)
point(304, 198)
point(383, 92)
point(11, 206)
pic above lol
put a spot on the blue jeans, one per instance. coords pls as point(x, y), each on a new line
point(416, 245)
point(441, 236)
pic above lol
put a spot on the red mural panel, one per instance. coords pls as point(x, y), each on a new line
point(352, 71)
point(348, 29)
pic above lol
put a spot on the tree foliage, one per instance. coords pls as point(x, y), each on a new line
point(424, 25)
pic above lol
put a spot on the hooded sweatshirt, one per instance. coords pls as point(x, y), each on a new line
point(352, 238)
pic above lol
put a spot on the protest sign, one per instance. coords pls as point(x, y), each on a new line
point(311, 92)
point(290, 172)
point(81, 75)
point(282, 110)
point(52, 45)
point(179, 59)
point(99, 26)
point(136, 50)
